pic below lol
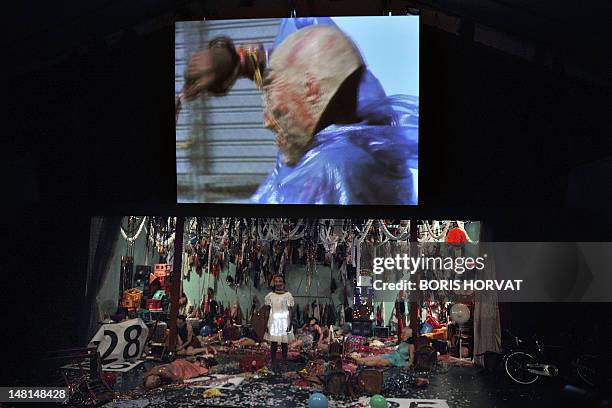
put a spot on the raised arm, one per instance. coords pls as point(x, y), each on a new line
point(215, 68)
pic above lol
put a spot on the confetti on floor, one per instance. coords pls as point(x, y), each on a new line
point(459, 387)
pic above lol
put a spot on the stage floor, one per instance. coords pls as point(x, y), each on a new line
point(458, 386)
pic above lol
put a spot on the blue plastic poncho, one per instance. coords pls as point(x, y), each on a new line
point(369, 162)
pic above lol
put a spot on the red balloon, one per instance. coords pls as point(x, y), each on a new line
point(456, 237)
point(110, 378)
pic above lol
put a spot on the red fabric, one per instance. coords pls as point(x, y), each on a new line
point(184, 370)
point(252, 363)
point(301, 383)
point(153, 304)
point(456, 236)
point(110, 379)
point(435, 324)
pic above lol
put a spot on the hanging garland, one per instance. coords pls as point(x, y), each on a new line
point(327, 237)
point(404, 232)
point(430, 234)
point(133, 238)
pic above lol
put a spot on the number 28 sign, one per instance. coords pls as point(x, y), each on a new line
point(118, 342)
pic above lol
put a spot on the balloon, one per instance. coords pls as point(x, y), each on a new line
point(378, 401)
point(456, 237)
point(318, 400)
point(109, 378)
point(206, 331)
point(460, 313)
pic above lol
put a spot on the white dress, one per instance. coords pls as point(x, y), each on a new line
point(278, 322)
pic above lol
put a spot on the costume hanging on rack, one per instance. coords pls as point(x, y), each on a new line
point(211, 312)
point(254, 307)
point(236, 314)
point(348, 314)
point(333, 318)
point(298, 317)
point(333, 286)
point(323, 320)
point(340, 315)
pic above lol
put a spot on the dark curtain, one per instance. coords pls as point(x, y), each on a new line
point(103, 235)
point(487, 326)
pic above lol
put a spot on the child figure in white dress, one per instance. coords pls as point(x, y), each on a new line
point(279, 329)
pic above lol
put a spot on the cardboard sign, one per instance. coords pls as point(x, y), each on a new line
point(416, 403)
point(120, 342)
point(222, 382)
point(123, 367)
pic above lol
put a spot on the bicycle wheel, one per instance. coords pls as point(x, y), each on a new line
point(516, 367)
point(586, 369)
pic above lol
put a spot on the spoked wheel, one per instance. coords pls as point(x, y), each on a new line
point(516, 367)
point(586, 369)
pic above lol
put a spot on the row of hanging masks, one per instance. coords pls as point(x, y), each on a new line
point(261, 248)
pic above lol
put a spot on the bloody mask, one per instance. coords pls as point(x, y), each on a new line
point(304, 73)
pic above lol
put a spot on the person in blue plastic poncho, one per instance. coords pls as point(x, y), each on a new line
point(341, 139)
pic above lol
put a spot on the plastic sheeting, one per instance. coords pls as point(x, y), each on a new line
point(354, 164)
point(369, 162)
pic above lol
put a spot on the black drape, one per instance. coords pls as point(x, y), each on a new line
point(104, 232)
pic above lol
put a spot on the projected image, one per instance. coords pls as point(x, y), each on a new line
point(298, 111)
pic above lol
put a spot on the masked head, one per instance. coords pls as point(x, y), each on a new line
point(306, 71)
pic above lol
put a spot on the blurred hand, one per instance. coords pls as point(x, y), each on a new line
point(206, 69)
